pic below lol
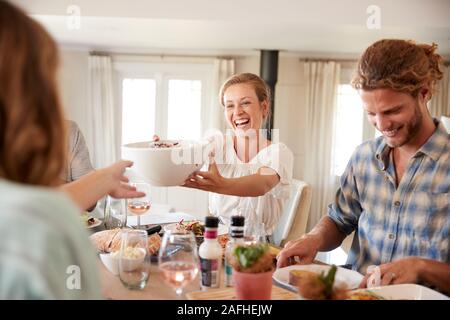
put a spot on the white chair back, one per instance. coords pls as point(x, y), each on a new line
point(293, 221)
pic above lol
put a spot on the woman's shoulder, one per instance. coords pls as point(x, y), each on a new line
point(33, 203)
point(278, 148)
point(41, 227)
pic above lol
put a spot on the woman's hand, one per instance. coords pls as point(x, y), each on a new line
point(118, 186)
point(90, 188)
point(210, 180)
point(405, 270)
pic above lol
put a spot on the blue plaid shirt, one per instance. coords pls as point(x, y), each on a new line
point(392, 222)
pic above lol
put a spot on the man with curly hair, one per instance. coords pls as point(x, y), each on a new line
point(395, 191)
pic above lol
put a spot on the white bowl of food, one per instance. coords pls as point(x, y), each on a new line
point(165, 163)
point(132, 259)
point(111, 262)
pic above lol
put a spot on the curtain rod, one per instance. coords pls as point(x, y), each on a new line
point(329, 59)
point(444, 62)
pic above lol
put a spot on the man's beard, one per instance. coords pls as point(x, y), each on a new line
point(412, 128)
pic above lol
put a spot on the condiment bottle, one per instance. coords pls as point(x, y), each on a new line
point(210, 252)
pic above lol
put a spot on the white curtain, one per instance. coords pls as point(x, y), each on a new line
point(101, 111)
point(440, 103)
point(321, 101)
point(223, 69)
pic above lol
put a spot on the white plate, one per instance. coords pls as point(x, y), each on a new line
point(343, 276)
point(223, 229)
point(407, 292)
point(96, 223)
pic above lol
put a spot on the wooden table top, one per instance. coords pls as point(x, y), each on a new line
point(157, 289)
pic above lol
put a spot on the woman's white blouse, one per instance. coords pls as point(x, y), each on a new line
point(265, 209)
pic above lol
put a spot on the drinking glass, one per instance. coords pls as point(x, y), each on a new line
point(115, 213)
point(254, 230)
point(139, 206)
point(134, 264)
point(178, 259)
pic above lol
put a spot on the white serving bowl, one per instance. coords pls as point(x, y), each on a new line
point(165, 167)
point(111, 262)
point(129, 264)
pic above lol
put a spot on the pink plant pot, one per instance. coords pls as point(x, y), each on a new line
point(253, 286)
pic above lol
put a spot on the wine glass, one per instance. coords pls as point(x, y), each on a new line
point(115, 213)
point(134, 266)
point(139, 206)
point(178, 259)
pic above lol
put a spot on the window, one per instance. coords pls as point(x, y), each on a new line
point(167, 99)
point(351, 128)
point(348, 129)
point(138, 109)
point(184, 109)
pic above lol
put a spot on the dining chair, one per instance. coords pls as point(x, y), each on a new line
point(293, 220)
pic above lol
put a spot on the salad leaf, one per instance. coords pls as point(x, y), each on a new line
point(328, 280)
point(248, 255)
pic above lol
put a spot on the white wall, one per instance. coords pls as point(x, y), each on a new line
point(290, 109)
point(247, 64)
point(73, 82)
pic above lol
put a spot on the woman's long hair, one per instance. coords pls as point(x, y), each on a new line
point(32, 133)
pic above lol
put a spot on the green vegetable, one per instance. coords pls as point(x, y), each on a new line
point(248, 255)
point(328, 280)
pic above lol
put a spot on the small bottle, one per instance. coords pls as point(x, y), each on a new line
point(237, 237)
point(210, 252)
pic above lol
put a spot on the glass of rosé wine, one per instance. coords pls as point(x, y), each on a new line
point(178, 259)
point(139, 206)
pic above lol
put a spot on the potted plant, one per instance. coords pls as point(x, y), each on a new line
point(252, 274)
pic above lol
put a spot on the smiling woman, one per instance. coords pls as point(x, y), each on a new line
point(248, 173)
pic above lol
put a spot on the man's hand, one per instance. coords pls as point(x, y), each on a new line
point(304, 249)
point(405, 270)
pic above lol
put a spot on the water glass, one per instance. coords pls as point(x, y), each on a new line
point(134, 261)
point(115, 213)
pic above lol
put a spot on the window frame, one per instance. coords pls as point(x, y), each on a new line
point(162, 72)
point(368, 131)
point(146, 67)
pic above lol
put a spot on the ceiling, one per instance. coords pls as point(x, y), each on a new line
point(330, 28)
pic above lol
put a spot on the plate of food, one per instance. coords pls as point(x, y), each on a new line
point(107, 243)
point(197, 227)
point(90, 222)
point(292, 276)
point(397, 292)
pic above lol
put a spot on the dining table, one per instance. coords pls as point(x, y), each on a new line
point(157, 289)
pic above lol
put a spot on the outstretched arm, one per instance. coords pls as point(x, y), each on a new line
point(87, 190)
point(248, 186)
